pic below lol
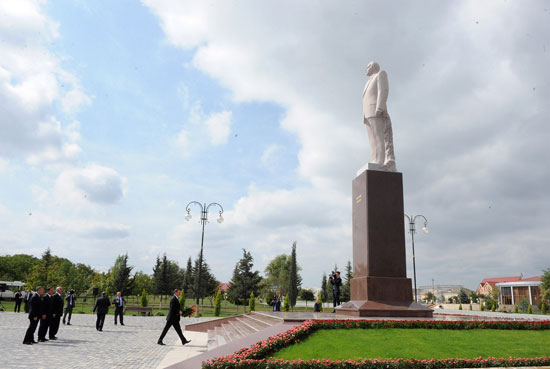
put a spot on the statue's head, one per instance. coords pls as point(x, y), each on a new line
point(372, 68)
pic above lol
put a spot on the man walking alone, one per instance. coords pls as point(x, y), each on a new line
point(173, 319)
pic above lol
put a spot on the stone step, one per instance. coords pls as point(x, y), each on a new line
point(221, 336)
point(231, 332)
point(250, 325)
point(212, 341)
point(255, 322)
point(270, 320)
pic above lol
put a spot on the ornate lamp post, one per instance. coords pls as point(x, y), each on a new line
point(412, 230)
point(204, 220)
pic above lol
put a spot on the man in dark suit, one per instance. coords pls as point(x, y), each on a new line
point(57, 310)
point(69, 306)
point(18, 298)
point(35, 312)
point(173, 319)
point(27, 299)
point(119, 303)
point(46, 315)
point(102, 306)
point(336, 282)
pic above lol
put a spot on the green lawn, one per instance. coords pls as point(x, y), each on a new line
point(418, 343)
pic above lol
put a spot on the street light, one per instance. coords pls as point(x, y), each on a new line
point(204, 220)
point(412, 230)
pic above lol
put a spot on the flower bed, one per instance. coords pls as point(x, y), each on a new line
point(256, 356)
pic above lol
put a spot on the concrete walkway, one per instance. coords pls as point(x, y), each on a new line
point(79, 345)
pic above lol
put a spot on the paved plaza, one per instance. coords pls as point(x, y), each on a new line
point(81, 346)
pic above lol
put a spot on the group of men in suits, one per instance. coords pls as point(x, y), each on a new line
point(45, 311)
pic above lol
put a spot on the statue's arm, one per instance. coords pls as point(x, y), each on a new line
point(383, 91)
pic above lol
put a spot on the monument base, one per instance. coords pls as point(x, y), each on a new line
point(393, 309)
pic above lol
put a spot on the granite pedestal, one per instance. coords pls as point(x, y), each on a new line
point(380, 286)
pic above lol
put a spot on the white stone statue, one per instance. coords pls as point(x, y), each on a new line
point(377, 120)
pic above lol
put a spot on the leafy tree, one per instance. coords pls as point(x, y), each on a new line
point(286, 306)
point(142, 282)
point(346, 288)
point(523, 305)
point(218, 303)
point(251, 302)
point(120, 274)
point(430, 297)
point(278, 275)
point(306, 295)
point(474, 297)
point(244, 280)
point(323, 292)
point(16, 267)
point(294, 280)
point(463, 297)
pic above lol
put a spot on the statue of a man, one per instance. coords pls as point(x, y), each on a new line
point(377, 119)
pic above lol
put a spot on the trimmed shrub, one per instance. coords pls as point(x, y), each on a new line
point(286, 306)
point(494, 307)
point(516, 308)
point(218, 304)
point(543, 309)
point(252, 302)
point(471, 307)
point(460, 307)
point(143, 299)
point(529, 310)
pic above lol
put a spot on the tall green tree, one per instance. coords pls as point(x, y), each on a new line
point(120, 274)
point(209, 284)
point(244, 280)
point(188, 278)
point(294, 279)
point(545, 285)
point(167, 275)
point(346, 288)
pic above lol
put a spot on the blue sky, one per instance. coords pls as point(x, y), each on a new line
point(117, 114)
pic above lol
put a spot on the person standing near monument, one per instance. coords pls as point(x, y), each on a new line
point(336, 282)
point(57, 311)
point(102, 306)
point(173, 319)
point(69, 306)
point(18, 298)
point(35, 313)
point(46, 315)
point(376, 118)
point(119, 303)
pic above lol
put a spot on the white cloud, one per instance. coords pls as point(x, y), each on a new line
point(271, 155)
point(93, 184)
point(85, 228)
point(30, 80)
point(219, 127)
point(216, 127)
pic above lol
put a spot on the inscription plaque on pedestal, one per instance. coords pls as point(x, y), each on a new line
point(380, 286)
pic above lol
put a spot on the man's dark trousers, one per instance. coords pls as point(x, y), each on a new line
point(35, 311)
point(57, 309)
point(99, 322)
point(173, 320)
point(46, 311)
